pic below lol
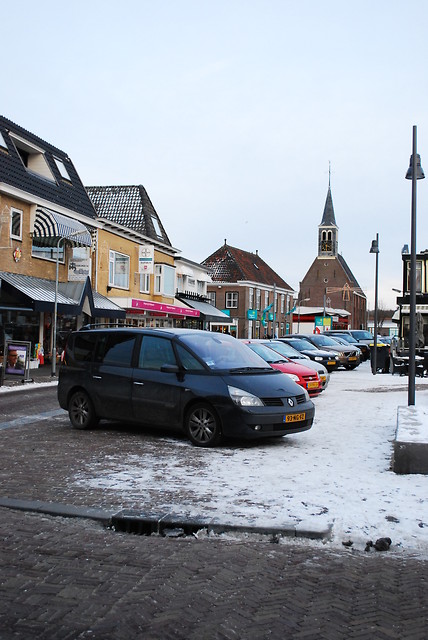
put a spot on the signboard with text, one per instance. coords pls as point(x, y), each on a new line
point(146, 258)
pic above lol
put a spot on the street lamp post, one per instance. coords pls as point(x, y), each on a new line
point(414, 173)
point(375, 249)
point(70, 236)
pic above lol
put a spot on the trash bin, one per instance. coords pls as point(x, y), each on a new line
point(382, 357)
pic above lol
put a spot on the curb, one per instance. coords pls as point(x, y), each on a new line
point(142, 523)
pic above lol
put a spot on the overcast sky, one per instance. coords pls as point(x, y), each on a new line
point(229, 112)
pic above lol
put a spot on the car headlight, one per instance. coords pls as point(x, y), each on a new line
point(244, 398)
point(293, 376)
point(318, 358)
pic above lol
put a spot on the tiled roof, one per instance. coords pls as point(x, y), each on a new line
point(229, 264)
point(129, 206)
point(352, 279)
point(70, 194)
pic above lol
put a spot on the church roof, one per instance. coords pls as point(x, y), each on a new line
point(328, 218)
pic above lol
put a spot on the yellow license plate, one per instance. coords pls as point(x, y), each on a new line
point(331, 362)
point(313, 385)
point(295, 417)
point(352, 357)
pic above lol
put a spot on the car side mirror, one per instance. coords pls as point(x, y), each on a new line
point(170, 368)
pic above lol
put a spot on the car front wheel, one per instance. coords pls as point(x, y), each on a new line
point(81, 411)
point(202, 425)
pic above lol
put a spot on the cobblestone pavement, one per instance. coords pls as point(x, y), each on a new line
point(67, 578)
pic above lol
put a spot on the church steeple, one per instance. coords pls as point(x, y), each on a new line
point(328, 230)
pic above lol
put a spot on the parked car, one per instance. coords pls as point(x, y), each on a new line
point(343, 341)
point(289, 352)
point(364, 347)
point(326, 358)
point(361, 335)
point(304, 376)
point(349, 358)
point(207, 384)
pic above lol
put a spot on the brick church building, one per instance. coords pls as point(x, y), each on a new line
point(329, 288)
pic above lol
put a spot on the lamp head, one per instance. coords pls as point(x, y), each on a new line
point(419, 171)
point(375, 247)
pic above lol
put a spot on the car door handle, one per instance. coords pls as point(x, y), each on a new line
point(140, 384)
point(97, 377)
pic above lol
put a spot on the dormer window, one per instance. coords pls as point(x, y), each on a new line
point(3, 144)
point(156, 225)
point(62, 169)
point(32, 157)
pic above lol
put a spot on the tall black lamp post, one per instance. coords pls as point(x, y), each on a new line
point(414, 173)
point(375, 249)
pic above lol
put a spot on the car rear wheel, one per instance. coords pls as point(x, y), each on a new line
point(202, 425)
point(81, 411)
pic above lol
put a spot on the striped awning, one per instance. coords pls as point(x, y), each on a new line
point(51, 225)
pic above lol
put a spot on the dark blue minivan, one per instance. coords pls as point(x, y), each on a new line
point(207, 384)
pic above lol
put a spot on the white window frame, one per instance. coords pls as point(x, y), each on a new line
point(266, 298)
point(250, 298)
point(282, 307)
point(211, 295)
point(258, 299)
point(144, 282)
point(232, 299)
point(163, 274)
point(113, 281)
point(20, 213)
point(62, 169)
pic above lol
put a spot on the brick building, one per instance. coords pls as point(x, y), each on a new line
point(245, 287)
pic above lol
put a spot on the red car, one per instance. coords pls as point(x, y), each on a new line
point(305, 377)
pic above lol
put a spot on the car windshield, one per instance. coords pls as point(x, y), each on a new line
point(285, 350)
point(359, 334)
point(221, 351)
point(304, 345)
point(324, 341)
point(269, 355)
point(344, 336)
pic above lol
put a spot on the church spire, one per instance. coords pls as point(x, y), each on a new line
point(328, 229)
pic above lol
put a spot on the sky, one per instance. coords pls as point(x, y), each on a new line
point(336, 475)
point(229, 113)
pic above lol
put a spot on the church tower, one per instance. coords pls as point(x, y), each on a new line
point(328, 231)
point(329, 287)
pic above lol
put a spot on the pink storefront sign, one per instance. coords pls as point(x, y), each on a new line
point(148, 305)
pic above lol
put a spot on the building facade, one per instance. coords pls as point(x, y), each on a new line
point(244, 287)
point(47, 224)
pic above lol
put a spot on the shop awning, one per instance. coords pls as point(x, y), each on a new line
point(50, 225)
point(72, 298)
point(420, 308)
point(208, 312)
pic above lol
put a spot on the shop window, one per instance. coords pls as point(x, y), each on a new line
point(16, 224)
point(118, 275)
point(418, 276)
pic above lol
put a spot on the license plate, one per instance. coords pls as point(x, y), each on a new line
point(331, 362)
point(313, 385)
point(352, 357)
point(294, 417)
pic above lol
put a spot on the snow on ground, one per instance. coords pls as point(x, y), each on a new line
point(337, 473)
